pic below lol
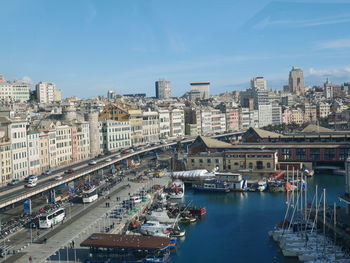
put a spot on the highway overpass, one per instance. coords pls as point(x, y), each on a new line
point(14, 194)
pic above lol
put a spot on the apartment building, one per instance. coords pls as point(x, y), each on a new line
point(115, 135)
point(44, 151)
point(63, 144)
point(164, 123)
point(232, 119)
point(177, 122)
point(5, 160)
point(150, 126)
point(33, 152)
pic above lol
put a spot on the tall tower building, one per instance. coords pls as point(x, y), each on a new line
point(45, 92)
point(296, 80)
point(258, 83)
point(163, 89)
point(202, 87)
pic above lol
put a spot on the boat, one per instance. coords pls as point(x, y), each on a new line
point(262, 185)
point(212, 186)
point(235, 181)
point(155, 228)
point(160, 216)
point(178, 190)
point(186, 220)
point(176, 232)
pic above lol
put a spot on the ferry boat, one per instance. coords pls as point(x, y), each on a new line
point(212, 186)
point(236, 182)
point(178, 190)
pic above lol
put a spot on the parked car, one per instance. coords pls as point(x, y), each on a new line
point(70, 171)
point(100, 155)
point(125, 152)
point(108, 160)
point(93, 162)
point(14, 182)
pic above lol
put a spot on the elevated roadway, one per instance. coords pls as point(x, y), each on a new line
point(11, 195)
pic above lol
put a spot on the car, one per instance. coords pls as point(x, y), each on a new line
point(31, 184)
point(118, 156)
point(108, 153)
point(125, 152)
point(31, 178)
point(108, 160)
point(14, 182)
point(100, 155)
point(47, 172)
point(93, 162)
point(58, 178)
point(70, 171)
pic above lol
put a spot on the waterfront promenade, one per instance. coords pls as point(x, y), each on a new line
point(59, 241)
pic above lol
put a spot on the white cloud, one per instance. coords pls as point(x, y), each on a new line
point(27, 79)
point(334, 72)
point(268, 21)
point(335, 44)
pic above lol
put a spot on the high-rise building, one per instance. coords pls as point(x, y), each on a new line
point(45, 92)
point(261, 97)
point(111, 94)
point(163, 89)
point(296, 80)
point(328, 89)
point(258, 83)
point(202, 87)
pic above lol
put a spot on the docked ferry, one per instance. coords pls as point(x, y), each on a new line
point(212, 186)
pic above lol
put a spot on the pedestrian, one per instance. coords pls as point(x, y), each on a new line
point(45, 240)
point(72, 243)
point(30, 259)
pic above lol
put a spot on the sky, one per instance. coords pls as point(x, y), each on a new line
point(87, 47)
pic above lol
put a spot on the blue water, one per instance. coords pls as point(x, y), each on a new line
point(236, 225)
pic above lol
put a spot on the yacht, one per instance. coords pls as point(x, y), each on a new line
point(212, 186)
point(155, 228)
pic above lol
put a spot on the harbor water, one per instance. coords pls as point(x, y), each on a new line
point(236, 226)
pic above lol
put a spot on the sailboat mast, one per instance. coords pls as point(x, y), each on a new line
point(335, 223)
point(324, 211)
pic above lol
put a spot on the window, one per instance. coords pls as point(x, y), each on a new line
point(329, 154)
point(286, 154)
point(250, 165)
point(301, 154)
point(268, 165)
point(315, 154)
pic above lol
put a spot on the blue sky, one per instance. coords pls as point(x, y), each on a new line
point(88, 47)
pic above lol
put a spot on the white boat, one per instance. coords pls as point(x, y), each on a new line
point(160, 216)
point(178, 190)
point(262, 185)
point(155, 228)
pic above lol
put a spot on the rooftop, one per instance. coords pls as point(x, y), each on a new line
point(125, 241)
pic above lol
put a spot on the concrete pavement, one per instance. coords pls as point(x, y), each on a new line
point(58, 246)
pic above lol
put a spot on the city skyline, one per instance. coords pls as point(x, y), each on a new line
point(242, 40)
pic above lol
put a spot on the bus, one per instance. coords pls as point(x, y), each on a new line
point(50, 219)
point(90, 195)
